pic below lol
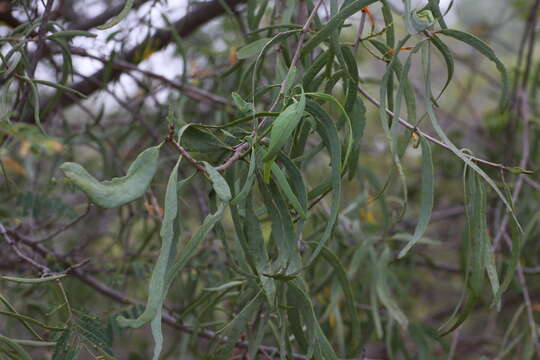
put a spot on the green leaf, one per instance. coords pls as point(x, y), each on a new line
point(349, 143)
point(32, 281)
point(383, 291)
point(118, 191)
point(328, 132)
point(334, 24)
point(218, 183)
point(237, 326)
point(252, 49)
point(189, 250)
point(288, 261)
point(35, 101)
point(281, 181)
point(118, 18)
point(250, 178)
point(485, 50)
point(283, 127)
point(355, 337)
point(59, 87)
point(70, 34)
point(242, 105)
point(257, 253)
point(426, 61)
point(435, 8)
point(11, 350)
point(157, 284)
point(319, 347)
point(448, 59)
point(426, 196)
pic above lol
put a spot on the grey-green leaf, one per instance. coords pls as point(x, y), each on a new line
point(485, 50)
point(118, 191)
point(283, 127)
point(426, 196)
point(121, 15)
point(252, 49)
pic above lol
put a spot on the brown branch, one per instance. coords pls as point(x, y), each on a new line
point(430, 138)
point(184, 27)
point(67, 226)
point(238, 153)
point(42, 268)
point(190, 91)
point(122, 298)
point(106, 15)
point(185, 154)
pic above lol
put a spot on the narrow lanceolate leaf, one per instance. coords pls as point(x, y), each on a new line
point(250, 178)
point(157, 285)
point(118, 191)
point(336, 264)
point(252, 49)
point(448, 59)
point(485, 50)
point(256, 252)
point(383, 291)
point(349, 144)
point(35, 102)
point(288, 261)
point(391, 129)
point(121, 15)
point(12, 350)
point(281, 181)
point(34, 280)
point(70, 34)
point(223, 192)
point(426, 61)
point(283, 127)
point(319, 347)
point(435, 8)
point(478, 245)
point(328, 132)
point(59, 87)
point(426, 196)
point(237, 326)
point(334, 24)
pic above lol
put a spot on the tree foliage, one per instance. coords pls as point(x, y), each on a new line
point(300, 179)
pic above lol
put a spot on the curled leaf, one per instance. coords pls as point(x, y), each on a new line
point(118, 191)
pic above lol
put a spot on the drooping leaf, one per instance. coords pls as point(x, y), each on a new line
point(118, 18)
point(426, 196)
point(12, 350)
point(334, 24)
point(283, 127)
point(118, 191)
point(252, 49)
point(485, 50)
point(157, 285)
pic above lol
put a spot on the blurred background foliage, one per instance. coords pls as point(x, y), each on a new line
point(132, 76)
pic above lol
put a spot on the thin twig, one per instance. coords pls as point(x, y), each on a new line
point(428, 137)
point(360, 31)
point(296, 56)
point(197, 165)
point(44, 269)
point(524, 114)
point(526, 299)
point(190, 91)
point(67, 226)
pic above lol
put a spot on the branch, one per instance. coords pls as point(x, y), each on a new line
point(184, 27)
point(110, 12)
point(190, 91)
point(122, 298)
point(430, 138)
point(42, 268)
